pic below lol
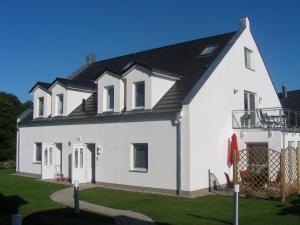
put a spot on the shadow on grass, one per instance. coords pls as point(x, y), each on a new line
point(292, 207)
point(66, 216)
point(9, 205)
point(210, 218)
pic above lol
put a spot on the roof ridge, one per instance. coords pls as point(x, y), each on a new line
point(297, 90)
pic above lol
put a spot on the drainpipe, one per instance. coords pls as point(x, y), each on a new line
point(18, 147)
point(177, 123)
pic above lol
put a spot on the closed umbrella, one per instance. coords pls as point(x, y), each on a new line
point(234, 156)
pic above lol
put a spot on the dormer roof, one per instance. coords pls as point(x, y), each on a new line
point(42, 85)
point(74, 84)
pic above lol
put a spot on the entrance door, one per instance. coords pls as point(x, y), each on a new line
point(48, 159)
point(250, 107)
point(79, 163)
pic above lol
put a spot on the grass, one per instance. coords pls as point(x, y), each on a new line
point(208, 210)
point(31, 198)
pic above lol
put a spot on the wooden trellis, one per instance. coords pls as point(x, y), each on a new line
point(266, 172)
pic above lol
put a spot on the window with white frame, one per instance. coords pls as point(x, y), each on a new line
point(248, 58)
point(109, 98)
point(59, 104)
point(40, 106)
point(139, 95)
point(140, 157)
point(37, 152)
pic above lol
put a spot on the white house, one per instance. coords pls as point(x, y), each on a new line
point(155, 120)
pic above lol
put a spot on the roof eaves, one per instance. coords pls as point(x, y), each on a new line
point(107, 71)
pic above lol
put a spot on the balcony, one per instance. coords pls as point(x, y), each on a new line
point(266, 118)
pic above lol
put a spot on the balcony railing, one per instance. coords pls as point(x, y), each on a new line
point(266, 118)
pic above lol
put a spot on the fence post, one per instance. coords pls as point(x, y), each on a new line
point(282, 172)
point(298, 168)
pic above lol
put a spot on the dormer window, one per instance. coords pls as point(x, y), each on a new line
point(41, 106)
point(109, 98)
point(59, 104)
point(139, 95)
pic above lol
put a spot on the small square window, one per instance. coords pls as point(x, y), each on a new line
point(109, 97)
point(37, 152)
point(249, 59)
point(40, 106)
point(140, 157)
point(59, 104)
point(139, 94)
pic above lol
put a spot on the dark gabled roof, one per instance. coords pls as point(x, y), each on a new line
point(178, 60)
point(42, 84)
point(86, 85)
point(181, 59)
point(292, 101)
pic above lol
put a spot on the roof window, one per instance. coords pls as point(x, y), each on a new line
point(208, 50)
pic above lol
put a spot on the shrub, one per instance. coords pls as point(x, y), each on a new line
point(10, 164)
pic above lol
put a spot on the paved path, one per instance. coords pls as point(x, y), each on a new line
point(122, 217)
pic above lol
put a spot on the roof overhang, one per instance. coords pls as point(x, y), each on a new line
point(109, 73)
point(37, 86)
point(152, 71)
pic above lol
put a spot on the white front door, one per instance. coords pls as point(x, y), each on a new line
point(48, 160)
point(79, 163)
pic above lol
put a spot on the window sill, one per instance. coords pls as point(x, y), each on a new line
point(37, 162)
point(108, 111)
point(139, 170)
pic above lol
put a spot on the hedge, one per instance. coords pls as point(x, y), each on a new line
point(10, 164)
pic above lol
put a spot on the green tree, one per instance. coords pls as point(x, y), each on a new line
point(10, 108)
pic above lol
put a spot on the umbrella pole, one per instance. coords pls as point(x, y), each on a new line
point(236, 189)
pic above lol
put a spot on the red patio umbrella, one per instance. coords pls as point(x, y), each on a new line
point(234, 152)
point(234, 149)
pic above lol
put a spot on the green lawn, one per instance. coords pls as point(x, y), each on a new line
point(30, 197)
point(208, 210)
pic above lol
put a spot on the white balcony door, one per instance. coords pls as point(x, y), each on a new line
point(48, 161)
point(250, 107)
point(79, 167)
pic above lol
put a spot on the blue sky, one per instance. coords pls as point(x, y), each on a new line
point(41, 40)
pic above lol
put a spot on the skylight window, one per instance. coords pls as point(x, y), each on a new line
point(208, 50)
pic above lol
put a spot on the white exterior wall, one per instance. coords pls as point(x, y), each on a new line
point(40, 92)
point(72, 98)
point(114, 139)
point(210, 111)
point(106, 80)
point(160, 86)
point(273, 138)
